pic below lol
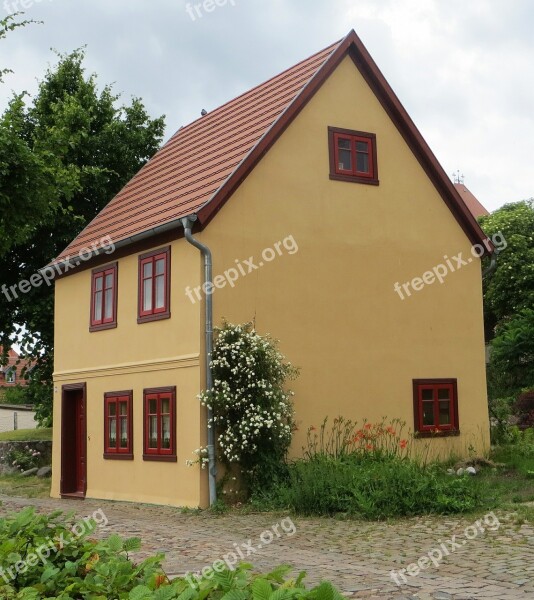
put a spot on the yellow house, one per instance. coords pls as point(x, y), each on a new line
point(330, 223)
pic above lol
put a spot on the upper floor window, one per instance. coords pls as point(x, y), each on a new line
point(154, 285)
point(118, 424)
point(160, 424)
point(11, 375)
point(104, 297)
point(353, 156)
point(436, 406)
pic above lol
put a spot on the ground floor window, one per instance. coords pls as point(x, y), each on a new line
point(160, 424)
point(436, 406)
point(118, 424)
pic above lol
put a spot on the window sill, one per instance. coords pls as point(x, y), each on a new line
point(118, 456)
point(437, 434)
point(103, 327)
point(353, 179)
point(157, 317)
point(160, 457)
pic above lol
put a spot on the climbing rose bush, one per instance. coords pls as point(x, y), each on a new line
point(252, 412)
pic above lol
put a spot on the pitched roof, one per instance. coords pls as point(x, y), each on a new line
point(201, 166)
point(476, 208)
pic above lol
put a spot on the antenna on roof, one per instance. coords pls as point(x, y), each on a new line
point(457, 178)
point(204, 112)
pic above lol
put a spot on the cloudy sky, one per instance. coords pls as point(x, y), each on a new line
point(464, 70)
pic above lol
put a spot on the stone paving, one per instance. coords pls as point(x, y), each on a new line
point(357, 556)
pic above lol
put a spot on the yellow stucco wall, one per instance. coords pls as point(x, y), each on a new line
point(331, 303)
point(133, 357)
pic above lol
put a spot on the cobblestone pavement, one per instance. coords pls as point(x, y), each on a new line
point(357, 556)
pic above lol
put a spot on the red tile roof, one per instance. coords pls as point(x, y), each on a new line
point(476, 208)
point(193, 165)
point(201, 166)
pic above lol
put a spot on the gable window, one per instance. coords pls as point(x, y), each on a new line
point(154, 285)
point(104, 298)
point(160, 424)
point(436, 406)
point(118, 425)
point(353, 156)
point(11, 375)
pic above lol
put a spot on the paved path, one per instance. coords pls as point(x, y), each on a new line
point(357, 556)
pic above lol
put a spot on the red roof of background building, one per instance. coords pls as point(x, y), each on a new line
point(200, 167)
point(476, 208)
point(14, 361)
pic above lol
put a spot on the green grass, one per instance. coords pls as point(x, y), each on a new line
point(27, 435)
point(25, 487)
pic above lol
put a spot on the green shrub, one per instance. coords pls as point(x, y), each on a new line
point(367, 472)
point(24, 459)
point(373, 488)
point(16, 395)
point(75, 567)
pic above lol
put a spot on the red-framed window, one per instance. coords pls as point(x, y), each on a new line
point(154, 285)
point(104, 297)
point(160, 424)
point(436, 406)
point(118, 425)
point(353, 156)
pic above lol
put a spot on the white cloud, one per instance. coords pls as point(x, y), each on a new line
point(462, 70)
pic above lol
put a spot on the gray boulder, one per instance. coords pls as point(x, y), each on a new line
point(29, 472)
point(44, 472)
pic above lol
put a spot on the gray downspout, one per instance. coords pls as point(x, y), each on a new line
point(187, 223)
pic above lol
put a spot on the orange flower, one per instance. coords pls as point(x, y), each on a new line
point(368, 426)
point(390, 430)
point(369, 447)
point(403, 444)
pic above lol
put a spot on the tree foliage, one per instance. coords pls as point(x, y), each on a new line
point(64, 155)
point(510, 288)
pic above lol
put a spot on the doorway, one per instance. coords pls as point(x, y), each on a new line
point(73, 441)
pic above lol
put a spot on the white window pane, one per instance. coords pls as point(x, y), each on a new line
point(160, 291)
point(160, 266)
point(124, 433)
point(147, 270)
point(166, 431)
point(112, 432)
point(147, 294)
point(108, 313)
point(153, 432)
point(97, 316)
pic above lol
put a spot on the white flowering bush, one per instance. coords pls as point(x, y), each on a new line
point(201, 459)
point(252, 411)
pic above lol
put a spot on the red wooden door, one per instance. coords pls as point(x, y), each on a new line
point(74, 441)
point(80, 444)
